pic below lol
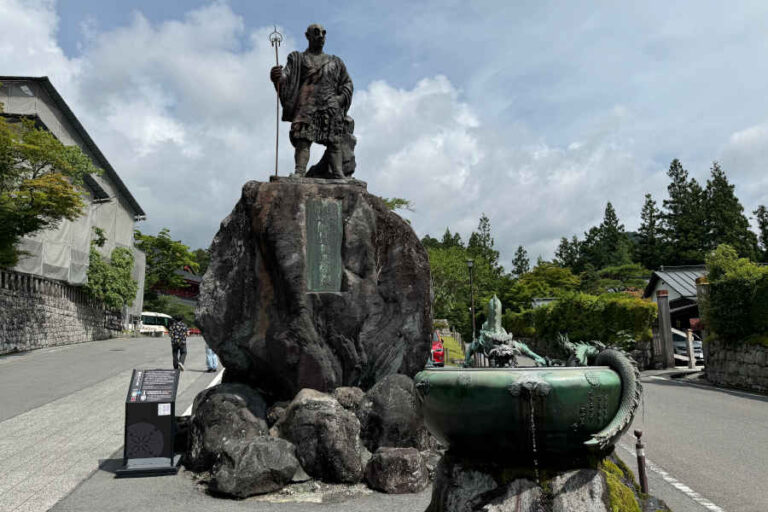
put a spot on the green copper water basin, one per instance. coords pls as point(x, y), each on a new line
point(514, 410)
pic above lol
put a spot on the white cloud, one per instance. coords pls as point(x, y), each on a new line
point(185, 112)
point(28, 42)
point(745, 159)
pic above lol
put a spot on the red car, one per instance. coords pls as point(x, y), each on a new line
point(438, 352)
point(193, 331)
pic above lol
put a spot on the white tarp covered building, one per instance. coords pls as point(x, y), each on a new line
point(62, 253)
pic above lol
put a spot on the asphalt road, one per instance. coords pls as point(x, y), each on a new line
point(712, 441)
point(61, 414)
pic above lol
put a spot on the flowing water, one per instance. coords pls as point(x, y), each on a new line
point(533, 439)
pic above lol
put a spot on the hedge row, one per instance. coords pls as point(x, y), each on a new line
point(737, 306)
point(610, 318)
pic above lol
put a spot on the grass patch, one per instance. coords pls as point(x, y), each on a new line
point(454, 349)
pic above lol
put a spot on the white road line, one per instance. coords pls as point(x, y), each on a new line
point(695, 496)
point(215, 381)
point(704, 386)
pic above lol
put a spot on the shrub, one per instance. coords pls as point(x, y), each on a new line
point(111, 281)
point(737, 306)
point(611, 318)
point(520, 324)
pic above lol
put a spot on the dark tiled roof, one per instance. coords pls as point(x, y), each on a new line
point(681, 279)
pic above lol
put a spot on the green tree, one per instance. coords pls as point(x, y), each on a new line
point(398, 203)
point(606, 244)
point(726, 222)
point(41, 183)
point(165, 257)
point(649, 250)
point(544, 280)
point(203, 259)
point(621, 278)
point(110, 281)
point(762, 225)
point(568, 253)
point(451, 240)
point(480, 245)
point(520, 264)
point(684, 218)
point(430, 243)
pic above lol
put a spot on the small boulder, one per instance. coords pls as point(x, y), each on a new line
point(460, 487)
point(388, 416)
point(397, 471)
point(275, 412)
point(521, 496)
point(221, 413)
point(327, 437)
point(254, 466)
point(349, 397)
point(431, 459)
point(580, 489)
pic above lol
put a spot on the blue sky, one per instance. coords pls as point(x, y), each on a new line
point(536, 113)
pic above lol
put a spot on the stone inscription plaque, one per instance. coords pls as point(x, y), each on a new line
point(324, 236)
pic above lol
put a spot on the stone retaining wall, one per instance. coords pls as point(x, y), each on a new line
point(37, 312)
point(738, 365)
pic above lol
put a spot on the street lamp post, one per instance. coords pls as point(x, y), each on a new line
point(470, 265)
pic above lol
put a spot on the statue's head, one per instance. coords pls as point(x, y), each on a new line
point(316, 36)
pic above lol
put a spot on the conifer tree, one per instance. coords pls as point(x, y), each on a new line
point(521, 264)
point(762, 225)
point(725, 219)
point(606, 244)
point(450, 240)
point(481, 244)
point(650, 247)
point(568, 254)
point(684, 218)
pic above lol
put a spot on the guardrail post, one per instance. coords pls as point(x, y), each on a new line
point(641, 474)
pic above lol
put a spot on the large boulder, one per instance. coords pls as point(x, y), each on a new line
point(397, 471)
point(389, 417)
point(253, 466)
point(221, 413)
point(256, 308)
point(468, 485)
point(326, 435)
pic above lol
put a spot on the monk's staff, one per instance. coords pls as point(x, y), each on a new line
point(275, 38)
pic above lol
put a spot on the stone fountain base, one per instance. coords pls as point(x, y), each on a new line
point(464, 485)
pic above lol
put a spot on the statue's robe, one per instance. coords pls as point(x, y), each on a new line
point(315, 94)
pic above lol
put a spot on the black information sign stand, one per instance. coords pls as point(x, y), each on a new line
point(150, 424)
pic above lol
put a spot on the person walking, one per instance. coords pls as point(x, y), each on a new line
point(178, 334)
point(210, 359)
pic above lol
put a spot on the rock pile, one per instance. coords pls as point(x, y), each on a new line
point(328, 436)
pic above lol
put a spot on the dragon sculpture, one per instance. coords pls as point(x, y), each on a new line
point(502, 350)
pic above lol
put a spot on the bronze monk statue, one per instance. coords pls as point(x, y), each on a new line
point(316, 92)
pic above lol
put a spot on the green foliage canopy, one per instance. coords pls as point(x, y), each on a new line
point(737, 306)
point(165, 257)
point(111, 281)
point(609, 317)
point(41, 183)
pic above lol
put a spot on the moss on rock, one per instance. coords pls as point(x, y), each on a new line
point(621, 497)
